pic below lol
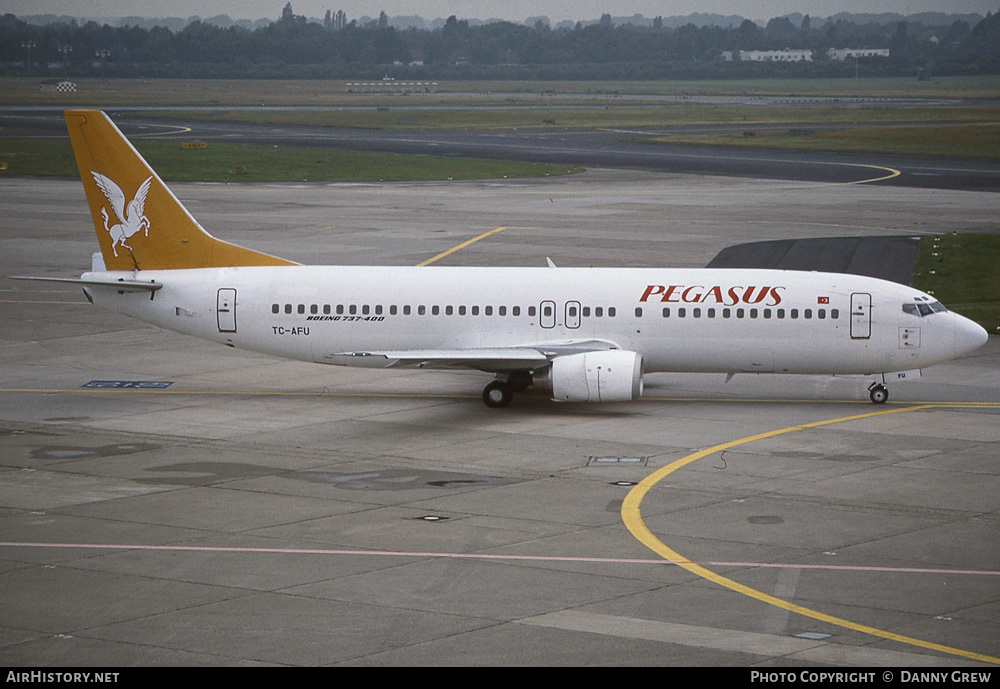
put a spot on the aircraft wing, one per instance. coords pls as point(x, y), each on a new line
point(491, 360)
point(488, 359)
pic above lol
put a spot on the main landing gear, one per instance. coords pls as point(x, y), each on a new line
point(878, 393)
point(500, 392)
point(497, 394)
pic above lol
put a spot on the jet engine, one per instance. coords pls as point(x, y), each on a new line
point(605, 376)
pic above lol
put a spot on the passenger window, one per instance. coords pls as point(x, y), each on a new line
point(834, 314)
point(378, 309)
point(611, 312)
point(435, 310)
point(314, 309)
point(302, 308)
point(598, 312)
point(711, 313)
point(392, 310)
point(515, 311)
point(326, 309)
point(353, 309)
point(726, 313)
point(475, 310)
point(275, 308)
point(488, 310)
point(461, 310)
point(666, 312)
point(821, 313)
point(502, 311)
point(739, 313)
point(288, 308)
point(532, 311)
point(767, 313)
point(365, 309)
point(421, 310)
point(340, 309)
point(449, 310)
point(795, 313)
point(696, 313)
point(406, 310)
point(781, 313)
point(681, 312)
point(586, 311)
point(808, 313)
point(753, 313)
point(638, 312)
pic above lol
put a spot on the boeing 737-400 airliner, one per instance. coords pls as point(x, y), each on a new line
point(580, 334)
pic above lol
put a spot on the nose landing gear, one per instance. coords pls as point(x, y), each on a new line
point(878, 393)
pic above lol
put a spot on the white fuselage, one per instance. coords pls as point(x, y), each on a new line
point(707, 320)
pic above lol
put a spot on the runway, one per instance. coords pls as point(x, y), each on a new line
point(263, 512)
point(614, 147)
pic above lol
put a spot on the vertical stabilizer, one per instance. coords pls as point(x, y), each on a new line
point(140, 223)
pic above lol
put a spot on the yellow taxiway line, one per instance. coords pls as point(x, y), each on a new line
point(461, 246)
point(633, 521)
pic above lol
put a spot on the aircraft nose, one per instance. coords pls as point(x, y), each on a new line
point(969, 336)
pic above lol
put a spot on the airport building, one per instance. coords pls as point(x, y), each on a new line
point(771, 55)
point(845, 53)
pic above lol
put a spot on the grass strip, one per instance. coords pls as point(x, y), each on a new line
point(231, 162)
point(976, 140)
point(334, 92)
point(961, 271)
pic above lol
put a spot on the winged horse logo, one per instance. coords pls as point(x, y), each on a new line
point(130, 216)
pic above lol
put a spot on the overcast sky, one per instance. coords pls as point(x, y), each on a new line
point(515, 10)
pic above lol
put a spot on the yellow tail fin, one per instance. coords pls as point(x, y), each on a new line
point(140, 224)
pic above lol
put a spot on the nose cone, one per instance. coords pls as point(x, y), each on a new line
point(969, 336)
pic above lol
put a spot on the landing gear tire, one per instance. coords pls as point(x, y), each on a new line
point(878, 393)
point(497, 394)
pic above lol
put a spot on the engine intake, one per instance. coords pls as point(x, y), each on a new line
point(605, 376)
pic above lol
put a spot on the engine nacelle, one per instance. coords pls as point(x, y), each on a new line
point(606, 376)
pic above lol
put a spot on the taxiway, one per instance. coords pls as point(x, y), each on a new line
point(262, 512)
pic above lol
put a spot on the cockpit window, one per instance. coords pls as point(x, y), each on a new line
point(924, 308)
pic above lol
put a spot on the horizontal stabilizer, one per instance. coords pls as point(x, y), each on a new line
point(121, 284)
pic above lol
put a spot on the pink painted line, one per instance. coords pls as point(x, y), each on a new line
point(483, 556)
point(21, 301)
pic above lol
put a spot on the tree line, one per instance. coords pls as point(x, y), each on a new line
point(293, 47)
